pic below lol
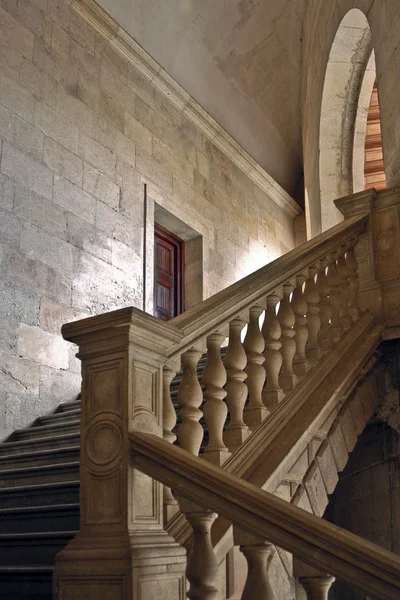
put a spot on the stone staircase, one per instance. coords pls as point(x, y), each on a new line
point(39, 497)
point(39, 501)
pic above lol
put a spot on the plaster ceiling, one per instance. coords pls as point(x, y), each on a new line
point(240, 59)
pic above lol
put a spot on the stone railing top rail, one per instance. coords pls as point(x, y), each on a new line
point(171, 339)
point(316, 542)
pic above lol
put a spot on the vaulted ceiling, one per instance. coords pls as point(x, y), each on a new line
point(240, 59)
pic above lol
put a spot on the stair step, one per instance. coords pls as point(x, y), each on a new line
point(29, 582)
point(66, 492)
point(30, 519)
point(41, 443)
point(38, 458)
point(41, 474)
point(67, 406)
point(20, 548)
point(48, 430)
point(71, 415)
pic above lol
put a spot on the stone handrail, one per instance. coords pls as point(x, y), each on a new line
point(316, 542)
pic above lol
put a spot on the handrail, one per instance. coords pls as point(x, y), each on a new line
point(316, 542)
point(183, 331)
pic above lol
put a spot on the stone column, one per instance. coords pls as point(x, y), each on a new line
point(121, 551)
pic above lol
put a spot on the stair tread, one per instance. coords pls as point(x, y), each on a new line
point(41, 486)
point(26, 569)
point(36, 509)
point(38, 454)
point(37, 469)
point(25, 443)
point(37, 535)
point(46, 427)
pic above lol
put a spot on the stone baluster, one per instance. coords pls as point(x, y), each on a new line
point(317, 587)
point(299, 304)
point(335, 327)
point(169, 421)
point(352, 266)
point(236, 390)
point(325, 342)
point(254, 345)
point(288, 378)
point(202, 566)
point(215, 409)
point(312, 297)
point(190, 397)
point(257, 553)
point(271, 330)
point(344, 272)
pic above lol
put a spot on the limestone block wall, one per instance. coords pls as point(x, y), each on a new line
point(82, 134)
point(321, 22)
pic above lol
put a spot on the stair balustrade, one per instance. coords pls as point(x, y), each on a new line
point(128, 361)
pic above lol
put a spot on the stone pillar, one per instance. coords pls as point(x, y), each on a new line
point(121, 551)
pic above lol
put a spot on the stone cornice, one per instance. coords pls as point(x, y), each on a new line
point(129, 49)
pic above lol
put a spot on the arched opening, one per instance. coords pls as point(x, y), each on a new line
point(349, 79)
point(374, 173)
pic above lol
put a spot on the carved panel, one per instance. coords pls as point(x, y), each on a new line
point(387, 244)
point(170, 586)
point(103, 443)
point(145, 391)
point(146, 494)
point(392, 306)
point(362, 252)
point(103, 388)
point(92, 588)
point(103, 498)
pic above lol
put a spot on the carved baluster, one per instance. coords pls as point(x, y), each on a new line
point(343, 272)
point(352, 266)
point(169, 421)
point(317, 588)
point(215, 409)
point(272, 394)
point(324, 307)
point(190, 397)
point(335, 327)
point(288, 378)
point(258, 553)
point(202, 566)
point(299, 304)
point(236, 390)
point(254, 345)
point(312, 297)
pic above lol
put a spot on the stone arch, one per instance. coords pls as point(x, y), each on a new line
point(349, 78)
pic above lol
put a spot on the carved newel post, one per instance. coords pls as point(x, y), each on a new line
point(121, 542)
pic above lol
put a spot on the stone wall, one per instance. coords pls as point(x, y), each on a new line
point(82, 133)
point(367, 496)
point(321, 23)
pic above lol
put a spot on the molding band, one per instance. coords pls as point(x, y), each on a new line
point(131, 51)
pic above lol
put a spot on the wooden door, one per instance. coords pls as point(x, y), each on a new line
point(168, 274)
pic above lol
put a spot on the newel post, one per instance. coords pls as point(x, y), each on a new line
point(121, 551)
